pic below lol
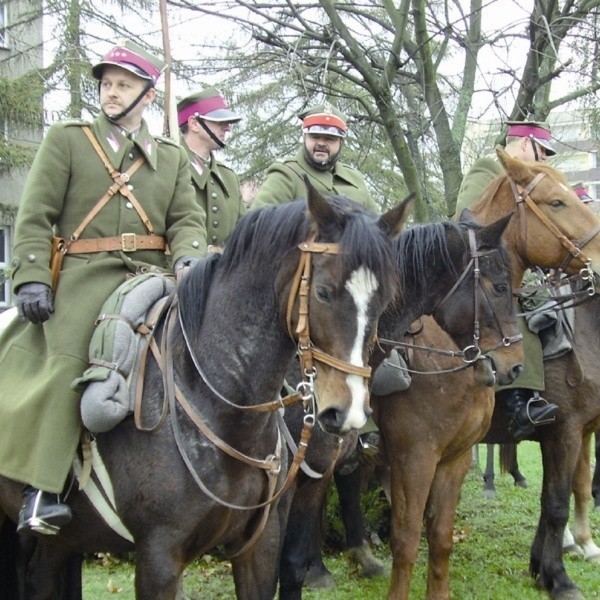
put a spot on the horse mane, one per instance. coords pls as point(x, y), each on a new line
point(416, 248)
point(263, 237)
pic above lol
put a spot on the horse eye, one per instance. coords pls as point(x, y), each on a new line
point(323, 294)
point(501, 288)
point(557, 203)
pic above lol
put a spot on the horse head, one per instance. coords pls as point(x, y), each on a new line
point(331, 299)
point(479, 311)
point(552, 228)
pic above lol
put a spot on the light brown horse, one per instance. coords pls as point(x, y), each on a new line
point(428, 430)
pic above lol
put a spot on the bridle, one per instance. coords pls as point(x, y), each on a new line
point(472, 353)
point(308, 354)
point(522, 197)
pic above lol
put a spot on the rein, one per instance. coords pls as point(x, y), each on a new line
point(573, 247)
point(308, 354)
point(472, 353)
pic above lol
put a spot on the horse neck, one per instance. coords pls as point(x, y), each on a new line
point(250, 349)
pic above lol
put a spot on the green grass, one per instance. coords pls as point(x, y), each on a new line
point(490, 559)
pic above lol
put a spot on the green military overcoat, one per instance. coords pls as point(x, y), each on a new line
point(39, 411)
point(481, 174)
point(218, 192)
point(284, 182)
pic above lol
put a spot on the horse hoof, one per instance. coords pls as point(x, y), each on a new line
point(489, 494)
point(319, 579)
point(522, 483)
point(594, 558)
point(574, 550)
point(573, 594)
point(363, 557)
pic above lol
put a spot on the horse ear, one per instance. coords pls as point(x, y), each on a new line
point(466, 216)
point(393, 221)
point(491, 235)
point(320, 210)
point(517, 170)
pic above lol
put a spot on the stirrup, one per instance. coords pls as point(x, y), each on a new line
point(39, 526)
point(534, 399)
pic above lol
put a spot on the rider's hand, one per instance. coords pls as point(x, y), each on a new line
point(35, 302)
point(183, 262)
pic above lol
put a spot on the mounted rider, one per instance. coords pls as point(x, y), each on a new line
point(527, 141)
point(205, 120)
point(118, 198)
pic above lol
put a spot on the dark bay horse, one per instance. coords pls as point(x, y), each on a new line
point(458, 273)
point(573, 382)
point(428, 430)
point(213, 473)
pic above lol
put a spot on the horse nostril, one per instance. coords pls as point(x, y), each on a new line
point(331, 420)
point(516, 370)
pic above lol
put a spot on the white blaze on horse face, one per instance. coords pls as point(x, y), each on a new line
point(361, 285)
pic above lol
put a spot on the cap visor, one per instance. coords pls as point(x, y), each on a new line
point(550, 151)
point(221, 115)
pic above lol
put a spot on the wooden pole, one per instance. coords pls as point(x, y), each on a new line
point(170, 127)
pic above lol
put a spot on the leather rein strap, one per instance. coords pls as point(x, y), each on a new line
point(308, 354)
point(522, 197)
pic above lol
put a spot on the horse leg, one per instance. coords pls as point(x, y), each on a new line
point(157, 570)
point(9, 539)
point(256, 571)
point(489, 488)
point(560, 451)
point(439, 520)
point(411, 478)
point(596, 479)
point(582, 492)
point(349, 487)
point(302, 542)
point(509, 463)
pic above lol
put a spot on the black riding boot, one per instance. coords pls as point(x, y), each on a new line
point(527, 410)
point(42, 512)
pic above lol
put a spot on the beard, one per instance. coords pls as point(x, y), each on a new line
point(320, 164)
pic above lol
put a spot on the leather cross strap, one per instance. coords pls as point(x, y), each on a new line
point(128, 242)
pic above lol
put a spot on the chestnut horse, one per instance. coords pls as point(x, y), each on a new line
point(309, 276)
point(460, 275)
point(428, 431)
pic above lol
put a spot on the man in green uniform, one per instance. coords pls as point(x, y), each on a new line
point(150, 207)
point(204, 121)
point(324, 130)
point(527, 141)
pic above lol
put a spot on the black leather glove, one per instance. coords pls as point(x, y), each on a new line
point(184, 261)
point(35, 302)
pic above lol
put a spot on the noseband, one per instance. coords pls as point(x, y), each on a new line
point(573, 247)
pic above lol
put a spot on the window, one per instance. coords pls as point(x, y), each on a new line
point(3, 25)
point(4, 260)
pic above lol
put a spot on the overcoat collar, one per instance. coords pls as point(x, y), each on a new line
point(202, 170)
point(117, 145)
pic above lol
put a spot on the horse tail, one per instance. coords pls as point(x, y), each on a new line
point(508, 457)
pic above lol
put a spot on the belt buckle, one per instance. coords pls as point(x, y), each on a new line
point(128, 242)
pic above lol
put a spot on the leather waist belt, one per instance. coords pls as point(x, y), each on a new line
point(127, 242)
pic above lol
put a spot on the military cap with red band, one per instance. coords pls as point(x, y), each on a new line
point(208, 104)
point(324, 119)
point(134, 59)
point(539, 131)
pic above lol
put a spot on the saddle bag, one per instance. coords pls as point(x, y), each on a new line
point(122, 330)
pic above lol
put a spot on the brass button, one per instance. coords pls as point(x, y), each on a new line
point(214, 238)
point(196, 244)
point(215, 223)
point(31, 258)
point(128, 205)
point(213, 195)
point(214, 209)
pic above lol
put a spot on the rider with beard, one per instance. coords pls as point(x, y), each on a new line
point(119, 197)
point(324, 130)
